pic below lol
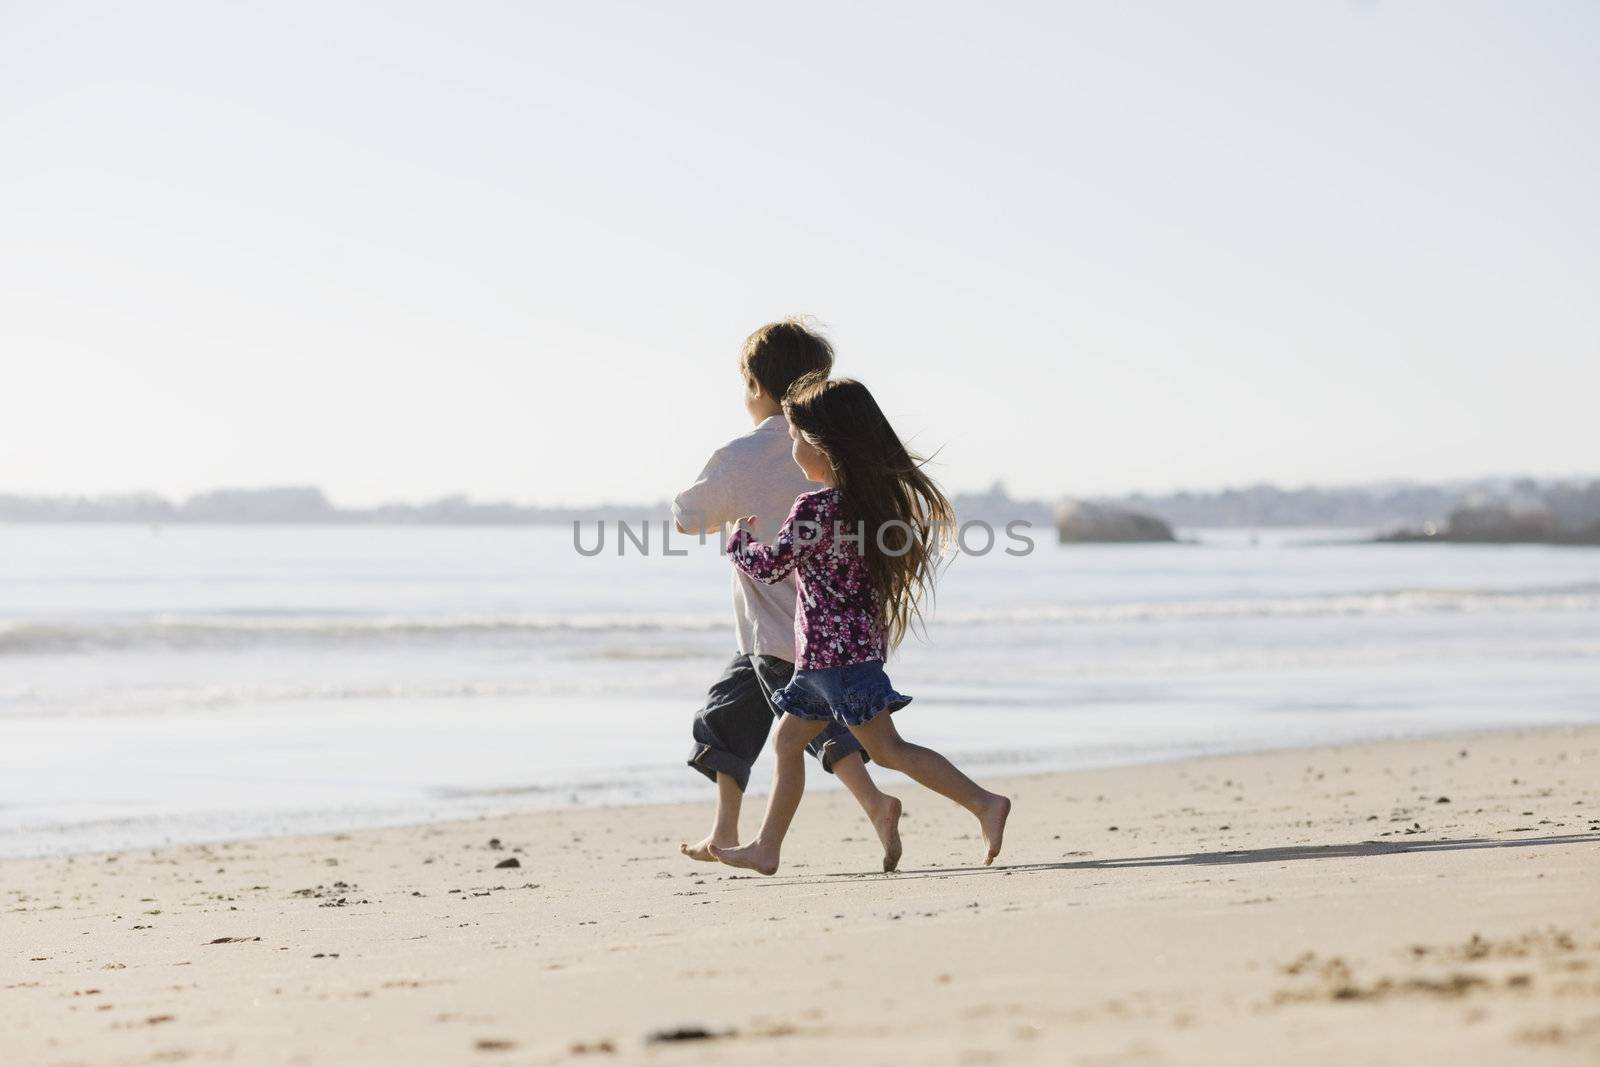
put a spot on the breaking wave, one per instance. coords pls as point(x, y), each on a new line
point(197, 632)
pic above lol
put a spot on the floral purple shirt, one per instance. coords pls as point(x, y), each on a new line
point(839, 621)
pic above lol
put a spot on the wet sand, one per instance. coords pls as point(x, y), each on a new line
point(1433, 901)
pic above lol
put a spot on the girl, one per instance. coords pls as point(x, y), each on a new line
point(865, 548)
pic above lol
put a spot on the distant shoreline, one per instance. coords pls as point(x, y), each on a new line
point(1360, 535)
point(1391, 506)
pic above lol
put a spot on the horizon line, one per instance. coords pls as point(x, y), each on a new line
point(998, 484)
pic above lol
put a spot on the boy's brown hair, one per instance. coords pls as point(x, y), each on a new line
point(781, 353)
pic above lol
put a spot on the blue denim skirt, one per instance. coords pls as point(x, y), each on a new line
point(850, 695)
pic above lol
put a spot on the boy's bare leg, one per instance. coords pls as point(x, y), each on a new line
point(725, 829)
point(788, 786)
point(882, 809)
point(885, 745)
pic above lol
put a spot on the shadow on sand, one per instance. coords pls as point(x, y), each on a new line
point(1284, 854)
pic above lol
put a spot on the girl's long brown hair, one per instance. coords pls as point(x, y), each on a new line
point(881, 482)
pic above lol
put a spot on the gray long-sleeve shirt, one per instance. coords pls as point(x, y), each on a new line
point(751, 475)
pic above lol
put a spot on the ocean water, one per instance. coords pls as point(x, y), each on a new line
point(196, 683)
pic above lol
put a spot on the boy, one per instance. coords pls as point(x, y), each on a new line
point(755, 474)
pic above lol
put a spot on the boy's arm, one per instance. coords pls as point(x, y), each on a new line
point(800, 537)
point(705, 505)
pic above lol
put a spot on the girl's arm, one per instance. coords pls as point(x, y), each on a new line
point(802, 535)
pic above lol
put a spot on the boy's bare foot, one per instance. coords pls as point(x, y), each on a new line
point(751, 857)
point(702, 851)
point(993, 820)
point(887, 823)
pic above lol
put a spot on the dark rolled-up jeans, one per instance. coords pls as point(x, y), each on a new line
point(730, 731)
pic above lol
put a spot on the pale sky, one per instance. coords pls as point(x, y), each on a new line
point(399, 250)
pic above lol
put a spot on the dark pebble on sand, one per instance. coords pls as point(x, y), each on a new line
point(1442, 800)
point(686, 1033)
point(512, 862)
point(494, 842)
point(494, 1044)
point(583, 1048)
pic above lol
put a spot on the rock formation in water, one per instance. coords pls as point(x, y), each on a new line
point(1561, 514)
point(1082, 522)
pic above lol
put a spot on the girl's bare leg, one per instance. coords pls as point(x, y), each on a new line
point(925, 766)
point(725, 828)
point(881, 808)
point(788, 786)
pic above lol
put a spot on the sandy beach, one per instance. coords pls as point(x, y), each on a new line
point(1405, 902)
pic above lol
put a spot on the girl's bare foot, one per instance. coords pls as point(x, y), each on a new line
point(887, 823)
point(702, 851)
point(993, 820)
point(751, 857)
